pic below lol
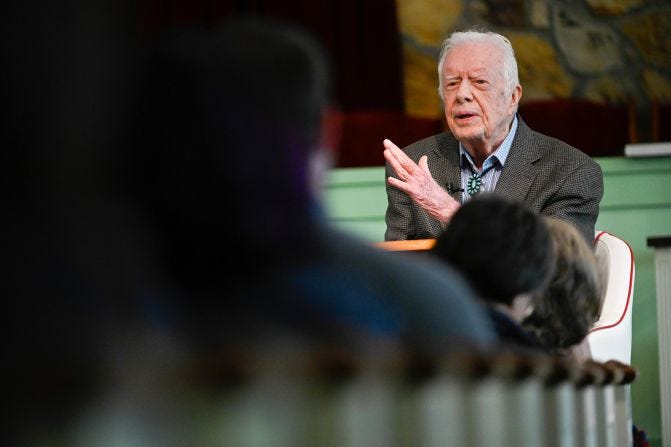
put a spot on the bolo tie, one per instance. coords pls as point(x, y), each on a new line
point(474, 182)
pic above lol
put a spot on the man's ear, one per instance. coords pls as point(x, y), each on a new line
point(522, 306)
point(516, 96)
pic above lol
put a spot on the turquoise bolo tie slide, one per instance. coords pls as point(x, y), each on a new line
point(474, 184)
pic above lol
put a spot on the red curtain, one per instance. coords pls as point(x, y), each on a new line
point(361, 36)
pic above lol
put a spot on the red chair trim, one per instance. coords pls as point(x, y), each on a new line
point(631, 283)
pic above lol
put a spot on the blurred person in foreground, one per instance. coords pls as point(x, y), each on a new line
point(231, 141)
point(488, 148)
point(505, 252)
point(230, 265)
point(567, 309)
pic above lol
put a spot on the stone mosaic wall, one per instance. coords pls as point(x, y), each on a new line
point(609, 51)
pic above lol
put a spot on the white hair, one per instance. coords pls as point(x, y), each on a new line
point(509, 72)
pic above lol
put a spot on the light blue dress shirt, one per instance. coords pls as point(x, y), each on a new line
point(491, 168)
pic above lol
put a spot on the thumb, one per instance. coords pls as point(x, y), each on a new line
point(424, 164)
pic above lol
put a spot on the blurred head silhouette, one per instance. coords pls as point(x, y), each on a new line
point(227, 135)
point(502, 248)
point(568, 308)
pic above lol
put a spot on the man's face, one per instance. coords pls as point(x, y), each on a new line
point(477, 107)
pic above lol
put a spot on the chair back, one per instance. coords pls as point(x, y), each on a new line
point(610, 338)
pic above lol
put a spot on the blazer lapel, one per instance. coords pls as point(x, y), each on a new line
point(447, 161)
point(519, 171)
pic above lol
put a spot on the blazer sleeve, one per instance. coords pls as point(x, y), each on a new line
point(398, 216)
point(577, 198)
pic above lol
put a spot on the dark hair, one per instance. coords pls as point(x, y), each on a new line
point(502, 248)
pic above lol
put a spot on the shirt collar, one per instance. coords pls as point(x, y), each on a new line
point(500, 154)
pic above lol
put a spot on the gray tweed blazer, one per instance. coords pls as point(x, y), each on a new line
point(547, 175)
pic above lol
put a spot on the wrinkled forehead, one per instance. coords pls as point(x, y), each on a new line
point(474, 58)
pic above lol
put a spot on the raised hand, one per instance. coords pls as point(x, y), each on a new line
point(416, 181)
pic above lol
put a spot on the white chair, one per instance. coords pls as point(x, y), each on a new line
point(610, 338)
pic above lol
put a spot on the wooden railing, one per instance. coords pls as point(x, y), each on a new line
point(464, 399)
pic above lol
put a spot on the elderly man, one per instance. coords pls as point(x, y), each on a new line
point(489, 148)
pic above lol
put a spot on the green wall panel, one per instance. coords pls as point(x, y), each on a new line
point(356, 200)
point(635, 206)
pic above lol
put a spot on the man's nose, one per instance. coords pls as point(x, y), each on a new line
point(464, 92)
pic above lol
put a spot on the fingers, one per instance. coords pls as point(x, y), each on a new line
point(390, 154)
point(403, 159)
point(402, 165)
point(387, 143)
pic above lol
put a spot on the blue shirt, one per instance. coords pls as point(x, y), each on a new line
point(491, 168)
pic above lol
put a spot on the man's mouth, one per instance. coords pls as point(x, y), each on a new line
point(464, 116)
